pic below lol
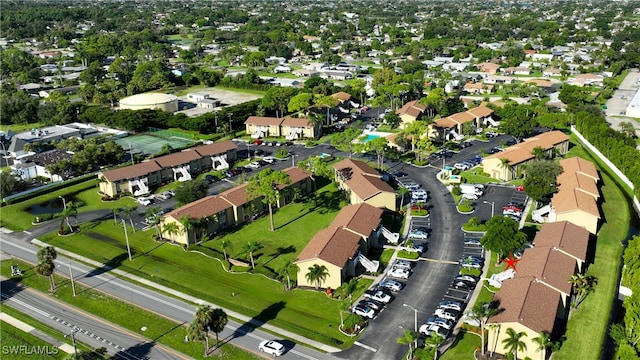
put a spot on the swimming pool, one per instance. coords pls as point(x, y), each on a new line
point(370, 137)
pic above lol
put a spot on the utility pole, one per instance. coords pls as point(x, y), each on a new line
point(73, 284)
point(126, 236)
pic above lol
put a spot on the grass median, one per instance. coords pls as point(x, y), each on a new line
point(207, 277)
point(17, 344)
point(158, 328)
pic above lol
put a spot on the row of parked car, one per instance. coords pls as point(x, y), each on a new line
point(468, 164)
point(376, 298)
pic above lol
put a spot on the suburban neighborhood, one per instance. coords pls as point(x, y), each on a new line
point(364, 180)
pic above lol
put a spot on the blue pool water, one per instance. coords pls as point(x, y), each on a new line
point(370, 137)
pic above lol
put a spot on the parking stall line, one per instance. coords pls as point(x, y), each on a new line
point(365, 346)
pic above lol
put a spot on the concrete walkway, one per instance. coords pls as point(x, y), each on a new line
point(192, 299)
point(21, 325)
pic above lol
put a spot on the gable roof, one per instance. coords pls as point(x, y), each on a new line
point(522, 152)
point(236, 196)
point(296, 174)
point(527, 301)
point(342, 96)
point(361, 219)
point(578, 188)
point(132, 171)
point(216, 148)
point(198, 209)
point(463, 117)
point(297, 122)
point(564, 236)
point(179, 158)
point(548, 265)
point(333, 245)
point(412, 108)
point(262, 120)
point(361, 178)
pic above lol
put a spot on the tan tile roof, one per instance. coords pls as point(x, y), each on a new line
point(578, 188)
point(198, 209)
point(522, 152)
point(133, 171)
point(480, 111)
point(297, 122)
point(333, 245)
point(342, 96)
point(177, 159)
point(216, 148)
point(412, 108)
point(564, 236)
point(445, 123)
point(579, 165)
point(296, 174)
point(526, 301)
point(540, 82)
point(360, 218)
point(361, 178)
point(462, 117)
point(263, 121)
point(550, 266)
point(571, 199)
point(236, 196)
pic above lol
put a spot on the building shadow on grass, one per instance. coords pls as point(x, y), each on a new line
point(262, 318)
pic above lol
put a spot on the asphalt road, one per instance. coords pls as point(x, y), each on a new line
point(239, 334)
point(87, 328)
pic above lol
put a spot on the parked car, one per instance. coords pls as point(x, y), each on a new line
point(378, 295)
point(411, 186)
point(473, 258)
point(399, 174)
point(271, 347)
point(463, 285)
point(375, 305)
point(269, 159)
point(436, 330)
point(391, 284)
point(453, 305)
point(470, 196)
point(211, 179)
point(461, 166)
point(512, 212)
point(254, 165)
point(364, 311)
point(144, 201)
point(467, 278)
point(399, 272)
point(447, 314)
point(418, 234)
point(520, 188)
point(257, 142)
point(471, 265)
point(418, 192)
point(490, 134)
point(472, 241)
point(403, 263)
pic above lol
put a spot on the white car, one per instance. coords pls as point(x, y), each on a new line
point(446, 314)
point(453, 305)
point(271, 347)
point(470, 196)
point(391, 285)
point(254, 165)
point(398, 273)
point(418, 234)
point(144, 201)
point(381, 296)
point(364, 311)
point(437, 330)
point(461, 166)
point(418, 192)
point(269, 159)
point(403, 264)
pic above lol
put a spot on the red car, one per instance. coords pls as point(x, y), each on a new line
point(519, 188)
point(257, 142)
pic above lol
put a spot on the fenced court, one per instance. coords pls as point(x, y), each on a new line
point(152, 143)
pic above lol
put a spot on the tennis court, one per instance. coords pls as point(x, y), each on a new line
point(151, 144)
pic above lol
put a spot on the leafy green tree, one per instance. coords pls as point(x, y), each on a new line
point(514, 342)
point(541, 178)
point(502, 236)
point(268, 184)
point(190, 191)
point(300, 102)
point(543, 340)
point(219, 320)
point(287, 266)
point(277, 98)
point(379, 147)
point(409, 338)
point(345, 140)
point(46, 266)
point(317, 275)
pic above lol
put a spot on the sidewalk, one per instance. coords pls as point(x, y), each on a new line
point(192, 299)
point(21, 325)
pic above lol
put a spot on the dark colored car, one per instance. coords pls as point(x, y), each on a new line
point(211, 179)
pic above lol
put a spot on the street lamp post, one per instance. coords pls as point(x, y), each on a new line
point(73, 340)
point(492, 206)
point(248, 149)
point(415, 321)
point(126, 237)
point(73, 284)
point(293, 160)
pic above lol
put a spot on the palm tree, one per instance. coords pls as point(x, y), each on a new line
point(47, 253)
point(171, 229)
point(582, 285)
point(127, 211)
point(538, 153)
point(200, 326)
point(343, 306)
point(46, 267)
point(115, 212)
point(504, 165)
point(514, 343)
point(67, 211)
point(250, 248)
point(482, 311)
point(188, 224)
point(226, 244)
point(196, 332)
point(218, 320)
point(434, 342)
point(544, 342)
point(284, 271)
point(408, 338)
point(348, 288)
point(153, 217)
point(402, 191)
point(317, 274)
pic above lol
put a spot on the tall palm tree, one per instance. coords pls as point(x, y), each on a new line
point(349, 288)
point(514, 343)
point(200, 325)
point(582, 285)
point(408, 338)
point(284, 271)
point(482, 311)
point(171, 229)
point(226, 244)
point(250, 248)
point(544, 342)
point(153, 217)
point(504, 165)
point(343, 306)
point(46, 267)
point(128, 211)
point(47, 253)
point(66, 212)
point(402, 191)
point(538, 153)
point(218, 320)
point(187, 224)
point(196, 332)
point(317, 275)
point(115, 212)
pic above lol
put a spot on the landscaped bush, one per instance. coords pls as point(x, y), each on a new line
point(465, 206)
point(420, 162)
point(282, 153)
point(404, 254)
point(474, 224)
point(353, 323)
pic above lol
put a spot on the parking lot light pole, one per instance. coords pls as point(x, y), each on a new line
point(293, 160)
point(493, 204)
point(126, 236)
point(415, 321)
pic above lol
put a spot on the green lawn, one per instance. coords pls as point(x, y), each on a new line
point(250, 294)
point(17, 344)
point(21, 127)
point(463, 348)
point(122, 313)
point(17, 216)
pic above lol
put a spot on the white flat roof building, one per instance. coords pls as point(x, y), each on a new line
point(633, 109)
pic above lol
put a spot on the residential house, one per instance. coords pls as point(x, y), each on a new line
point(498, 79)
point(520, 70)
point(336, 75)
point(507, 165)
point(33, 166)
point(588, 79)
point(577, 197)
point(300, 128)
point(489, 68)
point(340, 247)
point(478, 88)
point(551, 72)
point(526, 305)
point(305, 72)
point(451, 127)
point(261, 126)
point(567, 238)
point(137, 179)
point(410, 112)
point(364, 184)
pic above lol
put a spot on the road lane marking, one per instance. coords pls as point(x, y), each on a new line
point(365, 346)
point(440, 261)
